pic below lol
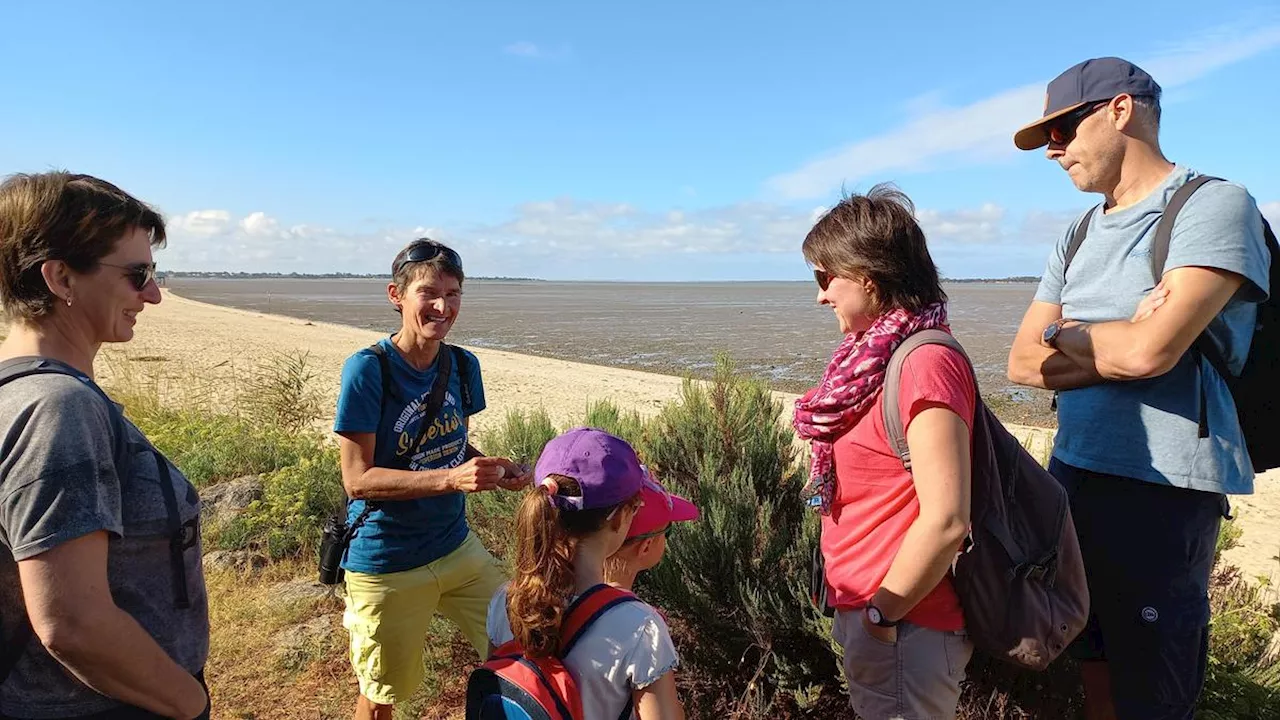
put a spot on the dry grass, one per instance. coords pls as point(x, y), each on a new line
point(250, 680)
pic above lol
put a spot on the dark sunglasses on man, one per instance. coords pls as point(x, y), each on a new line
point(1063, 130)
point(428, 251)
point(140, 274)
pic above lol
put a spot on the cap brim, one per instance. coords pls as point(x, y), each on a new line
point(1036, 135)
point(682, 510)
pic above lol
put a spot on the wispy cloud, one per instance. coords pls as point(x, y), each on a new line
point(605, 239)
point(982, 131)
point(523, 48)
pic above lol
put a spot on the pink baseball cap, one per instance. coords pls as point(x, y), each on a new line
point(660, 509)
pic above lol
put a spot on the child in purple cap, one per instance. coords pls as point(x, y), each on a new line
point(587, 492)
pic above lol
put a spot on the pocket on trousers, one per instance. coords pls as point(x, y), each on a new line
point(959, 650)
point(871, 664)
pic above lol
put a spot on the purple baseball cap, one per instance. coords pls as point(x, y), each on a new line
point(605, 467)
point(1087, 82)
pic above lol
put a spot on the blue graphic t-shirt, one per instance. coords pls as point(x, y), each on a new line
point(401, 535)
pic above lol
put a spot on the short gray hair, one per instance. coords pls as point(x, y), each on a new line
point(1147, 110)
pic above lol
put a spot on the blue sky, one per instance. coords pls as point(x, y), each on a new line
point(655, 141)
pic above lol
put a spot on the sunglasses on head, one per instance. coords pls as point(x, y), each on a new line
point(1063, 130)
point(140, 274)
point(428, 251)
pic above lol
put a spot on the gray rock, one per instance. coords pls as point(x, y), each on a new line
point(221, 502)
point(240, 560)
point(303, 589)
point(297, 646)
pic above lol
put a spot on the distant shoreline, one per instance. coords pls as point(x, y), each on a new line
point(1019, 279)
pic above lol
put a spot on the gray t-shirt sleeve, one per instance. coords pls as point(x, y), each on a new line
point(1051, 282)
point(1220, 227)
point(59, 475)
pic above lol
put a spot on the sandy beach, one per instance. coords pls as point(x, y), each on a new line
point(186, 348)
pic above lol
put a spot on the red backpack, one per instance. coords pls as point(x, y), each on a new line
point(510, 686)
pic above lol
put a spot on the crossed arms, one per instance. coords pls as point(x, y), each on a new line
point(1147, 345)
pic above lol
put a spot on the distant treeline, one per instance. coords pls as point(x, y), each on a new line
point(1015, 279)
point(384, 276)
point(308, 276)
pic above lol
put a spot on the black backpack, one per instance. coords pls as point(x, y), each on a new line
point(1256, 391)
point(1020, 576)
point(16, 644)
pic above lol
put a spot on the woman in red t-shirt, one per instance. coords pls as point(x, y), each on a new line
point(889, 535)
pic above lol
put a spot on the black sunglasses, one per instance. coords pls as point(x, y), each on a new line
point(424, 252)
point(140, 274)
point(651, 534)
point(823, 277)
point(1063, 130)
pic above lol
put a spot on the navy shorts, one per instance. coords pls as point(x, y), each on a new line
point(1148, 552)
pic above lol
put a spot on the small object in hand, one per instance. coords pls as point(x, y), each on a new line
point(502, 471)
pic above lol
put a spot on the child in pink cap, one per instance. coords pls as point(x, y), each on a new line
point(646, 541)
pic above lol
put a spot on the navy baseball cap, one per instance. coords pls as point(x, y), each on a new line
point(1088, 82)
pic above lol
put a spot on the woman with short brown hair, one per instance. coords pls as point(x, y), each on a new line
point(100, 532)
point(889, 534)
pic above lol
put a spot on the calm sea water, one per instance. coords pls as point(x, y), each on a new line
point(772, 329)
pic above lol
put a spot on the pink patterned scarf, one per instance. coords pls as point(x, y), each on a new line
point(849, 387)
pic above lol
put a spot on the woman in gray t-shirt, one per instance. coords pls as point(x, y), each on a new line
point(102, 598)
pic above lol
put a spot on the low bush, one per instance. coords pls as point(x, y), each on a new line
point(296, 500)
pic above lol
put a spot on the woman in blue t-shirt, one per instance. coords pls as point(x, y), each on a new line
point(406, 472)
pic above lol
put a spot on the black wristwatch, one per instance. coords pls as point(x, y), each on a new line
point(1051, 331)
point(877, 618)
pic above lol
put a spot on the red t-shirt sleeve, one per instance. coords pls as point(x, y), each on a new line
point(936, 376)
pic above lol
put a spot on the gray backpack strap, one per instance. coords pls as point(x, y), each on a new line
point(1077, 239)
point(1164, 230)
point(15, 369)
point(893, 379)
point(1159, 256)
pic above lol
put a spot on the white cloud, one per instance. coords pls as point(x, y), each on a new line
point(1216, 49)
point(1272, 212)
point(571, 238)
point(523, 49)
point(200, 222)
point(257, 224)
point(982, 131)
point(981, 225)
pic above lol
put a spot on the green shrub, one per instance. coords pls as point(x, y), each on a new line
point(605, 415)
point(296, 500)
point(1228, 538)
point(520, 438)
point(281, 392)
point(738, 578)
point(210, 447)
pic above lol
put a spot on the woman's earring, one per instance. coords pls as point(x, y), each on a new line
point(68, 300)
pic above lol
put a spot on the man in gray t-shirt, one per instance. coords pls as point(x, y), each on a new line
point(1149, 443)
point(59, 482)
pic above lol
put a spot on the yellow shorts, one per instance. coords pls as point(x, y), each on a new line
point(388, 616)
